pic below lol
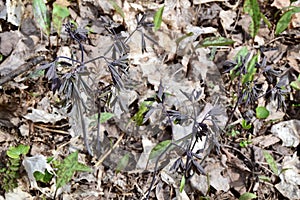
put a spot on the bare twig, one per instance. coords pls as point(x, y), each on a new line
point(109, 151)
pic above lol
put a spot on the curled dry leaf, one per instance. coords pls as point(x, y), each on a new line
point(290, 178)
point(228, 18)
point(34, 164)
point(288, 132)
point(43, 116)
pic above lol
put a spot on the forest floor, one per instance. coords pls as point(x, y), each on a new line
point(202, 108)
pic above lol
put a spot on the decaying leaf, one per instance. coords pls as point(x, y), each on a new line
point(288, 132)
point(34, 164)
point(37, 115)
point(279, 4)
point(290, 178)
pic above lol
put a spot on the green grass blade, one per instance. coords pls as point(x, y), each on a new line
point(159, 149)
point(285, 19)
point(272, 163)
point(158, 18)
point(252, 8)
point(117, 8)
point(182, 183)
point(58, 15)
point(216, 41)
point(41, 15)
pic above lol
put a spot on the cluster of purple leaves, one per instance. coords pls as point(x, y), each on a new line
point(249, 92)
point(190, 161)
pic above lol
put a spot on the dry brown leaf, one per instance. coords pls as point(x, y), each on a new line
point(288, 132)
point(281, 3)
point(290, 178)
point(228, 18)
point(265, 141)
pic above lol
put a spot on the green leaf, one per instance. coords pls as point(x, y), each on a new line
point(296, 84)
point(251, 70)
point(105, 116)
point(123, 163)
point(285, 19)
point(252, 8)
point(234, 133)
point(216, 41)
point(117, 8)
point(158, 18)
point(139, 116)
point(245, 125)
point(159, 149)
point(15, 152)
point(244, 143)
point(264, 178)
point(68, 167)
point(270, 160)
point(41, 15)
point(266, 20)
point(262, 112)
point(43, 177)
point(182, 183)
point(247, 196)
point(58, 15)
point(239, 57)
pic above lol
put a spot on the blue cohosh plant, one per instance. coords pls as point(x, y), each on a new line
point(77, 80)
point(190, 160)
point(248, 72)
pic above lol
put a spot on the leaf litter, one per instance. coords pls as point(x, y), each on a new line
point(180, 65)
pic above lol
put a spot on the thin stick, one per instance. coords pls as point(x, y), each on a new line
point(109, 151)
point(50, 130)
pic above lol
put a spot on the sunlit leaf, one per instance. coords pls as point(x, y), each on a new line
point(159, 149)
point(262, 112)
point(285, 19)
point(252, 8)
point(182, 184)
point(158, 18)
point(15, 152)
point(264, 178)
point(59, 13)
point(272, 163)
point(216, 41)
point(296, 84)
point(245, 125)
point(67, 169)
point(139, 116)
point(41, 15)
point(247, 196)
